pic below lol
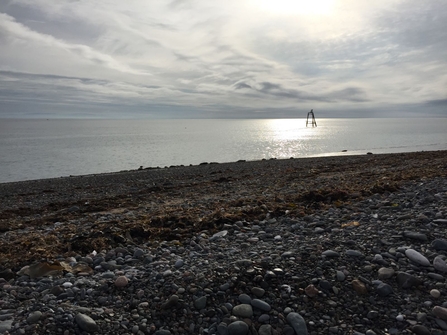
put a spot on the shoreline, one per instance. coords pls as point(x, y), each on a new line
point(324, 245)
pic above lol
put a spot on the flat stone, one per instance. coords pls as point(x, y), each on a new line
point(33, 317)
point(439, 244)
point(171, 302)
point(442, 221)
point(415, 236)
point(244, 298)
point(243, 310)
point(311, 291)
point(417, 257)
point(385, 273)
point(340, 275)
point(406, 280)
point(354, 253)
point(200, 303)
point(384, 290)
point(435, 293)
point(440, 312)
point(5, 326)
point(330, 253)
point(265, 330)
point(359, 287)
point(237, 328)
point(261, 304)
point(439, 264)
point(121, 281)
point(86, 323)
point(297, 322)
point(258, 291)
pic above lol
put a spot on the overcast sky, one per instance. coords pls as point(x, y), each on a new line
point(222, 58)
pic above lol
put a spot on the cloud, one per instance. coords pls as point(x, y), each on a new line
point(221, 57)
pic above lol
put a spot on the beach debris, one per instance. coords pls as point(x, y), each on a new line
point(41, 270)
point(350, 224)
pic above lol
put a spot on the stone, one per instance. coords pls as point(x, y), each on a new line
point(439, 264)
point(415, 236)
point(359, 287)
point(121, 281)
point(384, 290)
point(311, 291)
point(265, 330)
point(439, 244)
point(417, 257)
point(258, 291)
point(406, 280)
point(325, 285)
point(330, 253)
point(440, 312)
point(86, 323)
point(179, 263)
point(385, 273)
point(340, 275)
point(296, 321)
point(222, 329)
point(171, 302)
point(237, 328)
point(261, 304)
point(244, 298)
point(435, 293)
point(5, 326)
point(354, 253)
point(33, 317)
point(243, 310)
point(200, 303)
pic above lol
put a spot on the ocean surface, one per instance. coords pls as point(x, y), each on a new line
point(35, 149)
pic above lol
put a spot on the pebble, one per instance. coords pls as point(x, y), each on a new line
point(224, 285)
point(243, 310)
point(297, 322)
point(439, 264)
point(86, 323)
point(237, 328)
point(121, 281)
point(417, 257)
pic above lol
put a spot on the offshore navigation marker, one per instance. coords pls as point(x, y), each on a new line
point(313, 122)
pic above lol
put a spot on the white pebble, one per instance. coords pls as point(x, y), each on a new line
point(67, 284)
point(400, 317)
point(435, 293)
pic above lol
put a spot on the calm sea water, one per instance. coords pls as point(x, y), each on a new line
point(34, 149)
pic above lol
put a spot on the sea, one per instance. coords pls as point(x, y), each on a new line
point(52, 148)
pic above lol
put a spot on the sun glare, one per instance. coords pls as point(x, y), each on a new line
point(297, 7)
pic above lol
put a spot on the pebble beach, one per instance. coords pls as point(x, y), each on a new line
point(329, 245)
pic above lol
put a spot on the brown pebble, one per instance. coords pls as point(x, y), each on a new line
point(121, 281)
point(311, 291)
point(359, 287)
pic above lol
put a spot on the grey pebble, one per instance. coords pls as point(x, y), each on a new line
point(297, 322)
point(237, 328)
point(86, 323)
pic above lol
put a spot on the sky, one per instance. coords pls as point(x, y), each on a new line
point(222, 58)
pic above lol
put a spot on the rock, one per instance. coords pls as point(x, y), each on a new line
point(5, 326)
point(237, 328)
point(420, 330)
point(265, 330)
point(311, 291)
point(297, 322)
point(33, 317)
point(121, 281)
point(260, 304)
point(417, 257)
point(330, 253)
point(359, 287)
point(354, 253)
point(171, 302)
point(340, 275)
point(243, 310)
point(138, 253)
point(385, 273)
point(86, 323)
point(200, 303)
point(415, 236)
point(439, 264)
point(439, 244)
point(406, 280)
point(222, 329)
point(384, 290)
point(440, 312)
point(435, 293)
point(244, 298)
point(179, 263)
point(258, 291)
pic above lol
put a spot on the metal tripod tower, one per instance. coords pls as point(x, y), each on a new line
point(312, 121)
